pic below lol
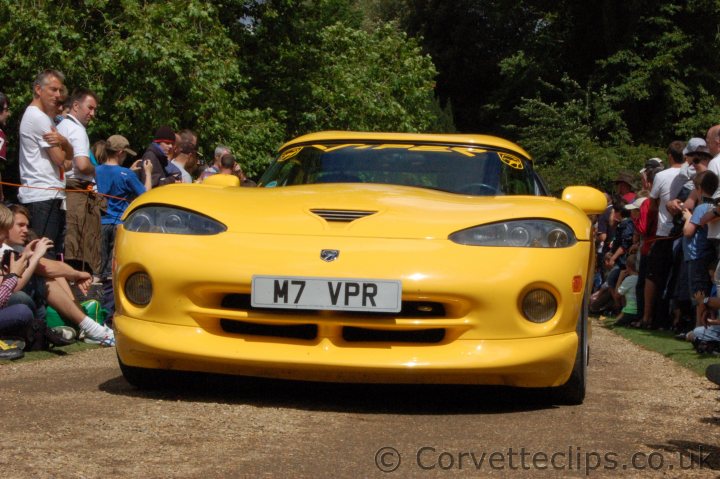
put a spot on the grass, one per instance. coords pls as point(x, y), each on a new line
point(53, 353)
point(663, 342)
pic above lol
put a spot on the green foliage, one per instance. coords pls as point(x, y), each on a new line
point(244, 73)
point(580, 140)
point(150, 63)
point(377, 81)
point(644, 71)
point(326, 64)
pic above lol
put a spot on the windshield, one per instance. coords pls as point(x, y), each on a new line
point(456, 169)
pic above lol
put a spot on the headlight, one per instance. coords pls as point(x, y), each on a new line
point(521, 233)
point(164, 219)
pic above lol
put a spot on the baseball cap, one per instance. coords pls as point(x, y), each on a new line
point(119, 143)
point(652, 163)
point(695, 145)
point(636, 204)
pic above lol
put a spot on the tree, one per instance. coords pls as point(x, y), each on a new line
point(325, 65)
point(151, 63)
point(377, 81)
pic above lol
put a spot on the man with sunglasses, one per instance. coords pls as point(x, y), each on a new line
point(697, 158)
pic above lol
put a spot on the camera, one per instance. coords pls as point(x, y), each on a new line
point(6, 257)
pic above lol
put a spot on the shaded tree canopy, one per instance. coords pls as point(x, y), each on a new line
point(587, 88)
point(601, 82)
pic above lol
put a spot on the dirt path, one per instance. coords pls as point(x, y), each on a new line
point(77, 417)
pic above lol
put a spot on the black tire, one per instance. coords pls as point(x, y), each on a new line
point(142, 378)
point(573, 391)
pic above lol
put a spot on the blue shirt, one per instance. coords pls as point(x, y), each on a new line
point(698, 246)
point(117, 181)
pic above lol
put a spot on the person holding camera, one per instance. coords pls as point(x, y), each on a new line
point(45, 281)
point(18, 320)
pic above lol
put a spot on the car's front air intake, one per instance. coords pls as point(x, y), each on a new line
point(342, 215)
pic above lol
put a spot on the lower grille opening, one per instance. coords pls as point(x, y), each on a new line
point(354, 334)
point(291, 331)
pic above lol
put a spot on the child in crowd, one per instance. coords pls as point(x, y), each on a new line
point(122, 185)
point(697, 249)
point(628, 281)
point(614, 262)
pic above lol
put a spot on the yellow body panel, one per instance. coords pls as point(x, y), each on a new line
point(271, 231)
point(413, 138)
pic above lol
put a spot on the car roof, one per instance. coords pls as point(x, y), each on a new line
point(432, 138)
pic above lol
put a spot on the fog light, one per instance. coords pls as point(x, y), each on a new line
point(138, 289)
point(539, 306)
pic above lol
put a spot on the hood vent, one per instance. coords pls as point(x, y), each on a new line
point(345, 216)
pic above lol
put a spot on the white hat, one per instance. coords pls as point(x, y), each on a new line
point(636, 204)
point(693, 145)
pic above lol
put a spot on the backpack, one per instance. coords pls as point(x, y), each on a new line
point(35, 339)
point(91, 307)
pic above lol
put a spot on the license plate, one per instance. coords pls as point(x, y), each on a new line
point(340, 294)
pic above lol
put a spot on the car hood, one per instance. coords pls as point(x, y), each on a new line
point(383, 210)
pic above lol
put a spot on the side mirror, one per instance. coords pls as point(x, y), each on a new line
point(590, 200)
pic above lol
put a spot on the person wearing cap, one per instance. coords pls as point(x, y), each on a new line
point(82, 233)
point(645, 222)
point(652, 163)
point(122, 186)
point(624, 186)
point(659, 262)
point(158, 153)
point(697, 156)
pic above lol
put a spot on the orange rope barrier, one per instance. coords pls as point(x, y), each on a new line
point(88, 190)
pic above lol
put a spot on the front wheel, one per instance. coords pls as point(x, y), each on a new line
point(142, 378)
point(573, 391)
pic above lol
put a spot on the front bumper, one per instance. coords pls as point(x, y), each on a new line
point(534, 362)
point(484, 337)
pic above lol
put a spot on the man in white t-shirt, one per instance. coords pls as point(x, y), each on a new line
point(660, 259)
point(82, 236)
point(43, 156)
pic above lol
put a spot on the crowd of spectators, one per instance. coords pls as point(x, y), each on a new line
point(658, 244)
point(71, 197)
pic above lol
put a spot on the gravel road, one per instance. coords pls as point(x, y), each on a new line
point(76, 417)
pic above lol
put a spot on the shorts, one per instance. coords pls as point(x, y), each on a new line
point(699, 276)
point(660, 261)
point(707, 333)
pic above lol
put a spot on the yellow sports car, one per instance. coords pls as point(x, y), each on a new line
point(363, 257)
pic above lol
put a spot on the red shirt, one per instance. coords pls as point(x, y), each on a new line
point(646, 225)
point(629, 197)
